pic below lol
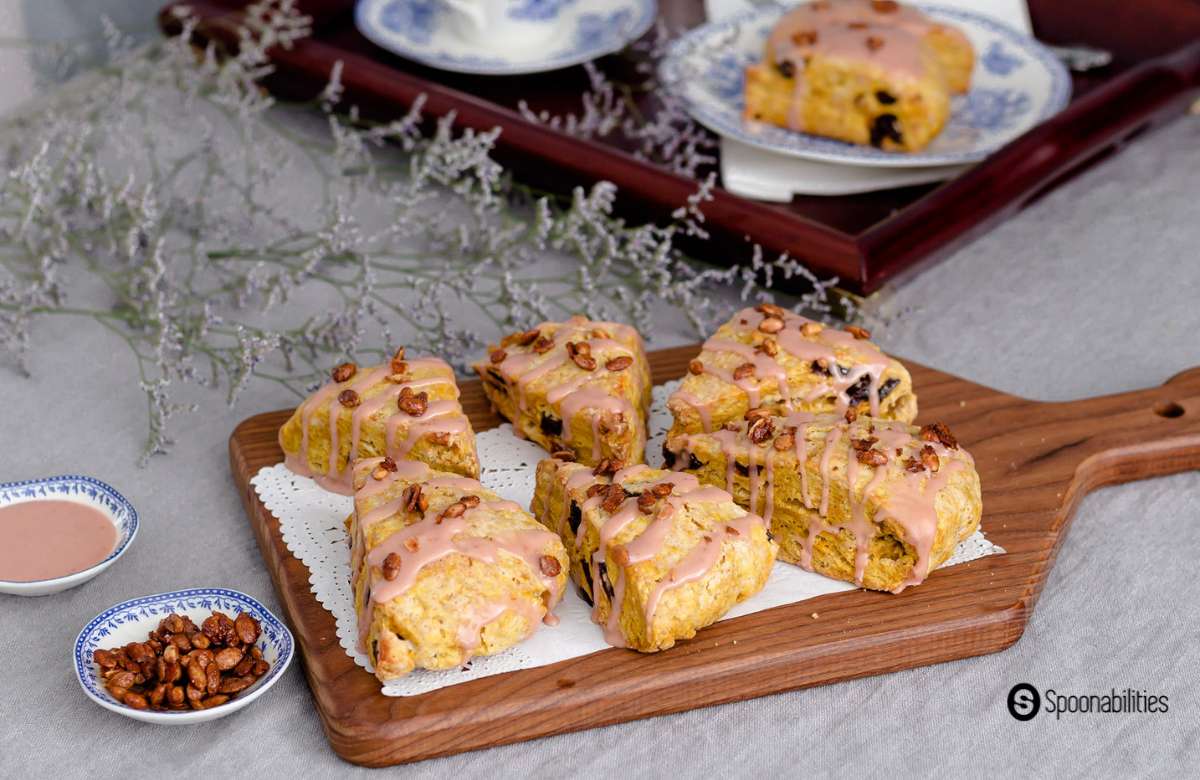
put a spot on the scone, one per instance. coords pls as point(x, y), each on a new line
point(443, 569)
point(658, 556)
point(577, 386)
point(875, 502)
point(404, 409)
point(771, 358)
point(863, 71)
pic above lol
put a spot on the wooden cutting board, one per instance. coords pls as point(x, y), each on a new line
point(1036, 460)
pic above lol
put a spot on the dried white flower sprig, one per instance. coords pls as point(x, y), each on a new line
point(228, 239)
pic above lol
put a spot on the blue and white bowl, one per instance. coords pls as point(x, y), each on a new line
point(133, 620)
point(428, 32)
point(1017, 84)
point(83, 490)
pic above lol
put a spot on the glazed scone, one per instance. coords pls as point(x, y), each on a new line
point(672, 556)
point(875, 502)
point(443, 569)
point(864, 72)
point(771, 358)
point(404, 409)
point(578, 386)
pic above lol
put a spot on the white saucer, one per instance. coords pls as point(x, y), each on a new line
point(421, 30)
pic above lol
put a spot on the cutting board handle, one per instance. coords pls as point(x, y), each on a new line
point(1135, 435)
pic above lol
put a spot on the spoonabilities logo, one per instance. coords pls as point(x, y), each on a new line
point(1024, 701)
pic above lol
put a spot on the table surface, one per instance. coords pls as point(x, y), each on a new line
point(1091, 290)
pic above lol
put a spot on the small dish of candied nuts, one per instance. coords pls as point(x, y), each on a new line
point(182, 657)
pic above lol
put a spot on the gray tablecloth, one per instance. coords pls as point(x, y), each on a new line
point(1092, 290)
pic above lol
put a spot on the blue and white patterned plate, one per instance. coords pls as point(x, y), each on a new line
point(422, 30)
point(83, 490)
point(132, 620)
point(1017, 84)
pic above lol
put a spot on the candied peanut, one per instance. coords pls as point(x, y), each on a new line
point(213, 701)
point(175, 696)
point(200, 641)
point(769, 347)
point(246, 628)
point(121, 680)
point(349, 399)
point(260, 668)
point(174, 623)
point(761, 430)
point(228, 658)
point(236, 684)
point(391, 567)
point(135, 700)
point(104, 659)
point(771, 325)
point(549, 565)
point(345, 372)
point(214, 678)
point(196, 674)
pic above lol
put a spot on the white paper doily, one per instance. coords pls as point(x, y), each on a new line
point(312, 523)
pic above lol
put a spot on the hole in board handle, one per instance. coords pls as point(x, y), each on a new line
point(1169, 409)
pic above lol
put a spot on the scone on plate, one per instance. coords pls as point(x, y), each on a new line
point(658, 556)
point(443, 569)
point(771, 358)
point(875, 502)
point(404, 409)
point(579, 386)
point(864, 71)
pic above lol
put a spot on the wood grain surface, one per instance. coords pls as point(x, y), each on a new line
point(1036, 460)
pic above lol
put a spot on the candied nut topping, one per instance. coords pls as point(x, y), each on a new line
point(563, 455)
point(580, 353)
point(769, 347)
point(619, 363)
point(771, 325)
point(862, 334)
point(454, 510)
point(851, 414)
point(646, 501)
point(696, 367)
point(413, 404)
point(388, 464)
point(528, 337)
point(549, 565)
point(770, 310)
point(349, 399)
point(743, 371)
point(662, 489)
point(614, 496)
point(607, 467)
point(441, 438)
point(756, 413)
point(940, 433)
point(414, 500)
point(345, 372)
point(810, 329)
point(543, 345)
point(391, 566)
point(785, 441)
point(761, 430)
point(885, 6)
point(804, 37)
point(596, 488)
point(379, 473)
point(872, 457)
point(497, 356)
point(397, 363)
point(470, 502)
point(913, 465)
point(929, 459)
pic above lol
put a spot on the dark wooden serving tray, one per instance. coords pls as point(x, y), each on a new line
point(866, 239)
point(1036, 460)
